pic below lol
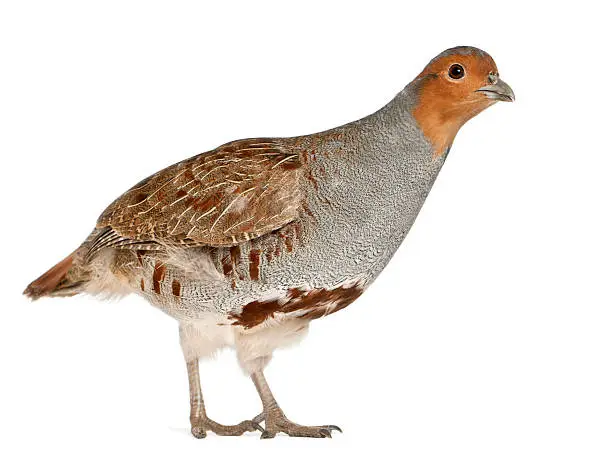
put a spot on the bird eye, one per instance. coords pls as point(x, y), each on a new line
point(456, 71)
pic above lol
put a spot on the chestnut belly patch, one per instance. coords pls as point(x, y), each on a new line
point(299, 303)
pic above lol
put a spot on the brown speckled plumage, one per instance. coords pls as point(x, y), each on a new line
point(248, 243)
point(236, 193)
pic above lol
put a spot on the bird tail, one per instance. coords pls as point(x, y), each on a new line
point(65, 279)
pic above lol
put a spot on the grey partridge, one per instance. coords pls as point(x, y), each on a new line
point(246, 244)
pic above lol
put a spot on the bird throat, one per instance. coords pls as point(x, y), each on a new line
point(440, 135)
point(441, 116)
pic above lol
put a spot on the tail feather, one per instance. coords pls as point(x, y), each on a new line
point(56, 282)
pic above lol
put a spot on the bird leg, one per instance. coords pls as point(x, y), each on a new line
point(276, 421)
point(200, 423)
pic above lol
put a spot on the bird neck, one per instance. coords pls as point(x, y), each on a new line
point(439, 116)
point(438, 123)
point(375, 173)
point(383, 160)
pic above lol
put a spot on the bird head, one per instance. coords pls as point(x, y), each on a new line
point(455, 86)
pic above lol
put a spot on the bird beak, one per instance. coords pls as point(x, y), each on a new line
point(498, 91)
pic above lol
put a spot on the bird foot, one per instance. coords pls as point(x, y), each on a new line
point(278, 423)
point(200, 426)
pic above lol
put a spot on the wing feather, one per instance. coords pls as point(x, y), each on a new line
point(238, 192)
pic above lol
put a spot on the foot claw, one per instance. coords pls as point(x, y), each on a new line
point(279, 423)
point(325, 433)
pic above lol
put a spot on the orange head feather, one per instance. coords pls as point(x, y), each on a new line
point(454, 87)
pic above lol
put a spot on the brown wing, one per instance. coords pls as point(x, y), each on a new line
point(240, 191)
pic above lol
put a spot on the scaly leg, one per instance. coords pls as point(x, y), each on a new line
point(275, 418)
point(200, 423)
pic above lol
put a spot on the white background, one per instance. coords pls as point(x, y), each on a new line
point(490, 329)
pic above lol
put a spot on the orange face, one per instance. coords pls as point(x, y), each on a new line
point(454, 87)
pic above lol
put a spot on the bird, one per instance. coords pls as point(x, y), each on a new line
point(246, 244)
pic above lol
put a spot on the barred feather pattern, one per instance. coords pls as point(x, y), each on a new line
point(240, 191)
